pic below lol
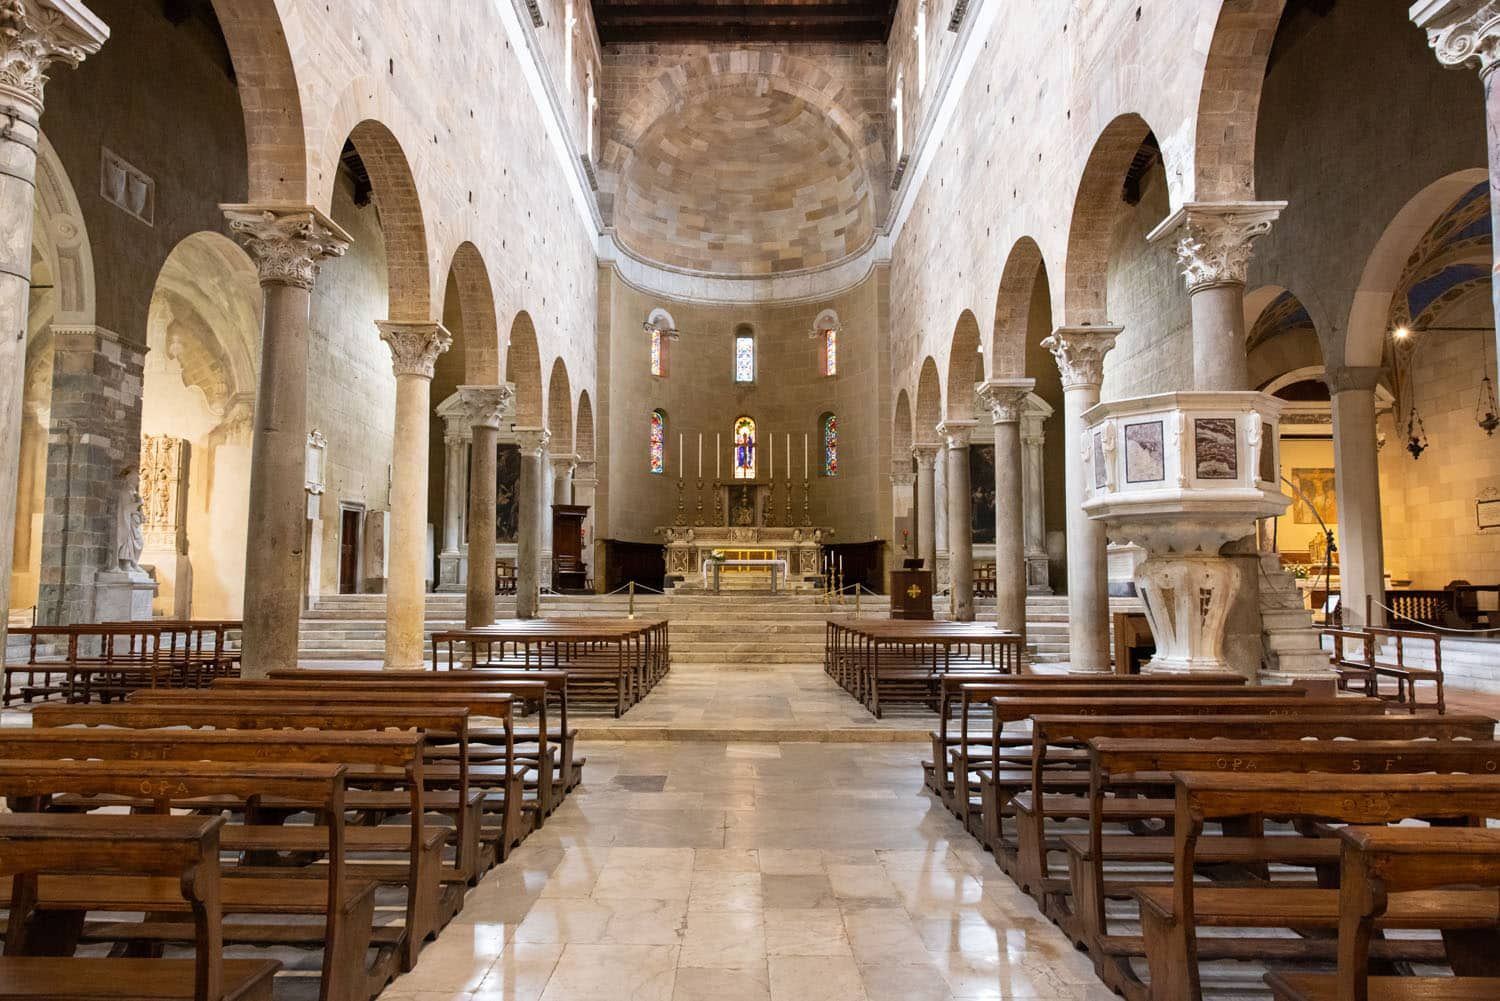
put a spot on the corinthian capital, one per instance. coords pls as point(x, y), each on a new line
point(414, 346)
point(956, 434)
point(1079, 353)
point(1006, 398)
point(287, 242)
point(925, 454)
point(34, 34)
point(533, 441)
point(1461, 32)
point(1212, 239)
point(485, 406)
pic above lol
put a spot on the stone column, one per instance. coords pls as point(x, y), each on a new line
point(1007, 400)
point(1079, 352)
point(485, 407)
point(1467, 33)
point(1212, 242)
point(1033, 440)
point(562, 478)
point(34, 35)
point(585, 488)
point(926, 456)
point(533, 442)
point(414, 350)
point(1357, 482)
point(903, 482)
point(547, 483)
point(956, 436)
point(287, 243)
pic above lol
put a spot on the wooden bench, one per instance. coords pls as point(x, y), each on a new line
point(182, 852)
point(1171, 915)
point(1377, 862)
point(1408, 676)
point(1352, 669)
point(883, 661)
point(342, 908)
point(107, 661)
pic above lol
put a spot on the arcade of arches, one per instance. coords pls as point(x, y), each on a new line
point(359, 320)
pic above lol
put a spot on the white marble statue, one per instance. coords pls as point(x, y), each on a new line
point(130, 520)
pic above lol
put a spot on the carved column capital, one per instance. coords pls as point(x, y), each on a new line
point(1461, 32)
point(287, 242)
point(925, 454)
point(1079, 353)
point(414, 346)
point(1352, 378)
point(903, 479)
point(585, 473)
point(1212, 239)
point(485, 406)
point(956, 434)
point(1006, 398)
point(34, 34)
point(562, 465)
point(532, 441)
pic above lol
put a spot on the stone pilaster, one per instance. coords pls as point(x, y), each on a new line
point(926, 541)
point(562, 478)
point(533, 443)
point(414, 351)
point(457, 437)
point(35, 36)
point(484, 407)
point(1079, 353)
point(1006, 399)
point(1356, 464)
point(1034, 441)
point(956, 437)
point(1212, 242)
point(1466, 33)
point(903, 505)
point(585, 493)
point(288, 244)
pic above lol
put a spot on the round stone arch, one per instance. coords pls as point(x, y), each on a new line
point(1007, 352)
point(523, 369)
point(1229, 99)
point(477, 339)
point(965, 368)
point(560, 409)
point(1096, 206)
point(275, 137)
point(61, 239)
point(584, 437)
point(929, 403)
point(1364, 336)
point(901, 433)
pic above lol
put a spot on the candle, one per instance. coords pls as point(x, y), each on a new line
point(804, 456)
point(789, 455)
point(771, 458)
point(700, 455)
point(718, 456)
point(681, 456)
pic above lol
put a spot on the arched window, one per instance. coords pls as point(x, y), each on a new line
point(658, 441)
point(660, 327)
point(830, 428)
point(744, 355)
point(826, 331)
point(744, 449)
point(919, 33)
point(897, 118)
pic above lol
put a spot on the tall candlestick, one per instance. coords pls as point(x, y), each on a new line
point(718, 457)
point(681, 456)
point(700, 455)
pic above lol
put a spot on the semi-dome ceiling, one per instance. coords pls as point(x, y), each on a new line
point(737, 183)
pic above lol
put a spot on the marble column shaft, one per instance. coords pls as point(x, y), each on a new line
point(1356, 465)
point(34, 38)
point(1007, 401)
point(414, 350)
point(956, 436)
point(1466, 33)
point(454, 460)
point(533, 442)
point(562, 478)
point(288, 244)
point(926, 456)
point(485, 408)
point(1079, 352)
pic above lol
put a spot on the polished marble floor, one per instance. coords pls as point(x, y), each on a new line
point(712, 871)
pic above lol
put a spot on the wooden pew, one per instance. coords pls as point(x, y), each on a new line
point(1355, 669)
point(181, 851)
point(417, 846)
point(1171, 915)
point(345, 906)
point(1377, 862)
point(1121, 765)
point(1408, 676)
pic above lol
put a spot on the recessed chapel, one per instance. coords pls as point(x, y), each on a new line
point(788, 500)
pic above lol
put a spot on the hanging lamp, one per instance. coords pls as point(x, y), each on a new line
point(1416, 433)
point(1487, 411)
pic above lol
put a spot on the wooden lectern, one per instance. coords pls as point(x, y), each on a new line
point(911, 594)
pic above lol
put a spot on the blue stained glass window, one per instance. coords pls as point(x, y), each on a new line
point(744, 358)
point(658, 442)
point(744, 449)
point(830, 445)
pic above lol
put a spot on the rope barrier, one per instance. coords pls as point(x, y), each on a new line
point(1438, 629)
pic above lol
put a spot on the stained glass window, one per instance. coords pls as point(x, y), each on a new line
point(744, 449)
point(831, 351)
point(658, 441)
point(656, 353)
point(830, 445)
point(744, 358)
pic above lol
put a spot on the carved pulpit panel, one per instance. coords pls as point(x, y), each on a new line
point(164, 467)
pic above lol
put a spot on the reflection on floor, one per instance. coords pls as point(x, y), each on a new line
point(750, 872)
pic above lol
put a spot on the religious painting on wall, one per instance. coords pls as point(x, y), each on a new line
point(1215, 449)
point(742, 507)
point(507, 492)
point(1314, 497)
point(982, 486)
point(1145, 458)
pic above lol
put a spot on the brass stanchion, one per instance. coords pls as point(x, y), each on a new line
point(632, 599)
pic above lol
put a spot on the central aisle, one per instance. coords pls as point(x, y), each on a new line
point(712, 871)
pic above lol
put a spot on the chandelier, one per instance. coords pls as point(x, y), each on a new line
point(1487, 411)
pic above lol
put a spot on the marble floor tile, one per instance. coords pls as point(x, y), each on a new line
point(719, 890)
point(885, 937)
point(815, 978)
point(817, 931)
point(727, 940)
point(695, 984)
point(613, 973)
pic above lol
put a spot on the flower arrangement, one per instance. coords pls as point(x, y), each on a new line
point(1298, 571)
point(716, 556)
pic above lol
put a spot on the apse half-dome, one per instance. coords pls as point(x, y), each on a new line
point(744, 184)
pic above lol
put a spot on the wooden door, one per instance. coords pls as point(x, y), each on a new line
point(349, 523)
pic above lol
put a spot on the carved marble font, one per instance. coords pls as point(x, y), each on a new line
point(288, 244)
point(414, 346)
point(1213, 239)
point(1461, 32)
point(34, 35)
point(1080, 351)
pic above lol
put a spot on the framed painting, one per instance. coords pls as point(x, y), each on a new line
point(1314, 497)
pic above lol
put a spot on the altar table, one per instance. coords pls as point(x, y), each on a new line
point(719, 565)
